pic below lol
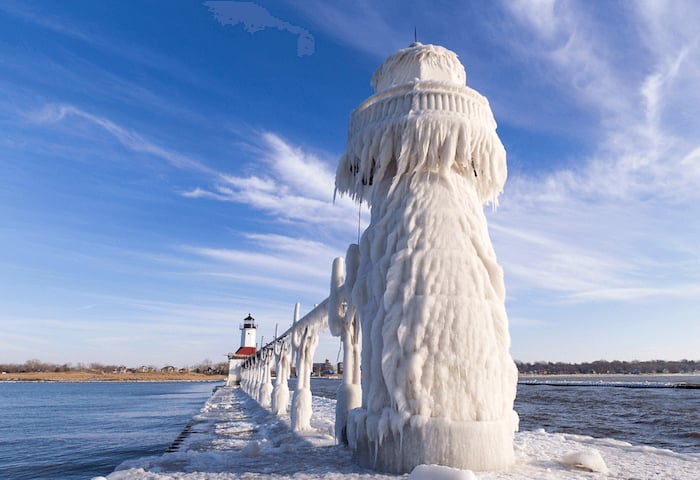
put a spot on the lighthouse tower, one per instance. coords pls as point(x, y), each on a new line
point(248, 330)
point(438, 381)
point(247, 348)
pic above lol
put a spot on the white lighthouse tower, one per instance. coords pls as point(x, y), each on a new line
point(247, 348)
point(248, 330)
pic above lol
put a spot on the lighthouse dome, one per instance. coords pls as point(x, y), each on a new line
point(419, 63)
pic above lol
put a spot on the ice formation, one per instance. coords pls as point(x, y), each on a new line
point(438, 382)
point(283, 362)
point(343, 323)
point(590, 460)
point(304, 340)
point(265, 389)
point(251, 377)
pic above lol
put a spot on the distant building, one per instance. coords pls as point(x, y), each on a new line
point(247, 348)
point(320, 369)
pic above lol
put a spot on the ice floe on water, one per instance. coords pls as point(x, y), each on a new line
point(234, 438)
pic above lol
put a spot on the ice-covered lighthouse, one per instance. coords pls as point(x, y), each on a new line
point(438, 381)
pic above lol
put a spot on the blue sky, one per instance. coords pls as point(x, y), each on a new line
point(168, 167)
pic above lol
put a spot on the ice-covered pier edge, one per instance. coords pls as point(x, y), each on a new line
point(438, 382)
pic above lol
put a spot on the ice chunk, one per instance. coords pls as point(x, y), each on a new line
point(440, 472)
point(252, 449)
point(589, 460)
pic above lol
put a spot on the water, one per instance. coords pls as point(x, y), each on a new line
point(598, 407)
point(66, 431)
point(645, 414)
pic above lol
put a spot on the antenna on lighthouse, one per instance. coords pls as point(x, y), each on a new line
point(415, 35)
point(359, 221)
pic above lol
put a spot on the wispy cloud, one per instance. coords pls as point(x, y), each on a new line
point(259, 262)
point(55, 113)
point(29, 14)
point(289, 183)
point(640, 153)
point(610, 228)
point(377, 36)
point(273, 260)
point(628, 294)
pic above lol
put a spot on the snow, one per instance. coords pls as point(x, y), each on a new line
point(438, 382)
point(590, 460)
point(234, 438)
point(439, 472)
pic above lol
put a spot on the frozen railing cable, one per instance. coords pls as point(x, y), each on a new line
point(301, 339)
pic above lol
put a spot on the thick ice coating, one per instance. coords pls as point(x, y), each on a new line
point(304, 340)
point(283, 361)
point(438, 382)
point(343, 323)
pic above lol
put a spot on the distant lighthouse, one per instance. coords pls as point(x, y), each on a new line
point(247, 348)
point(248, 330)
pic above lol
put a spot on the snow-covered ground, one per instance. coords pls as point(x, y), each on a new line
point(234, 438)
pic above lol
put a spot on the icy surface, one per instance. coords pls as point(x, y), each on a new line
point(438, 382)
point(434, 63)
point(234, 438)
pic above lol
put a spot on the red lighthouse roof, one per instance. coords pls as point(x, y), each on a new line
point(246, 351)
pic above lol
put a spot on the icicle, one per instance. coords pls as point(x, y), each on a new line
point(280, 393)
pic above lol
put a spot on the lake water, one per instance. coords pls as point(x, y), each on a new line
point(69, 431)
point(633, 408)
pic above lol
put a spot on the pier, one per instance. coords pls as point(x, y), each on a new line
point(234, 438)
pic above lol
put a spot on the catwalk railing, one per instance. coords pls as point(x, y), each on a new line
point(298, 344)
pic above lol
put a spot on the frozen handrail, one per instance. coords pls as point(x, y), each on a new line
point(301, 339)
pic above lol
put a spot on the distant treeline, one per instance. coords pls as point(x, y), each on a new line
point(534, 368)
point(609, 367)
point(206, 366)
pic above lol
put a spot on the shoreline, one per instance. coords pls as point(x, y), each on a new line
point(605, 375)
point(86, 376)
point(99, 376)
